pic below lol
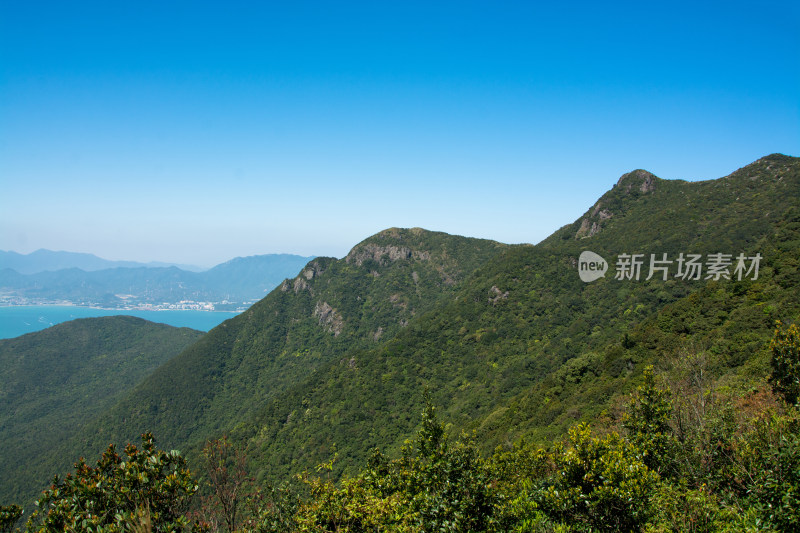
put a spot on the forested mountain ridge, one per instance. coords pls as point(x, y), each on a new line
point(54, 381)
point(331, 307)
point(735, 208)
point(525, 324)
point(724, 324)
point(509, 340)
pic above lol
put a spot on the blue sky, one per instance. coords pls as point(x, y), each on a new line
point(194, 132)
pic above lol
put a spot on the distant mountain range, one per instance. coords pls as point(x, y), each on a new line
point(85, 279)
point(48, 260)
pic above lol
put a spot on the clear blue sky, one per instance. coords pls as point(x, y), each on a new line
point(195, 131)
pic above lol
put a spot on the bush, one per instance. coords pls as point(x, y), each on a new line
point(148, 489)
point(647, 422)
point(9, 514)
point(785, 348)
point(600, 482)
point(775, 453)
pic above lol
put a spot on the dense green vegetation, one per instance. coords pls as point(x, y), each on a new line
point(54, 381)
point(525, 349)
point(733, 465)
point(621, 404)
point(333, 306)
point(145, 490)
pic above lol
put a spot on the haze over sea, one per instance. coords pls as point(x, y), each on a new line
point(19, 320)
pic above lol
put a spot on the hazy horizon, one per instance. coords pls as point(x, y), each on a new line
point(193, 133)
point(153, 261)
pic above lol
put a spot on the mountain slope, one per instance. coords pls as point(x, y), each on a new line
point(53, 381)
point(508, 339)
point(331, 307)
point(507, 354)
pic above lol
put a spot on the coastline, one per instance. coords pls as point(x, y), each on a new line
point(16, 320)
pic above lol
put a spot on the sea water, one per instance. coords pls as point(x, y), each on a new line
point(18, 320)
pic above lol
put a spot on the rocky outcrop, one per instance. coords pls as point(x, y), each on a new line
point(641, 180)
point(495, 295)
point(637, 182)
point(592, 223)
point(329, 318)
point(384, 253)
point(313, 270)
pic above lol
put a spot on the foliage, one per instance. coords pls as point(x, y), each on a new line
point(599, 481)
point(147, 487)
point(435, 485)
point(56, 380)
point(774, 452)
point(272, 510)
point(513, 345)
point(350, 507)
point(225, 466)
point(647, 422)
point(785, 348)
point(445, 486)
point(678, 508)
point(9, 514)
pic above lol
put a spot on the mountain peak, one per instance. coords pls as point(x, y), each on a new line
point(392, 244)
point(401, 234)
point(637, 182)
point(638, 179)
point(769, 167)
point(400, 244)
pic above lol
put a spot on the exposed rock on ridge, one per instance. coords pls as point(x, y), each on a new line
point(638, 181)
point(643, 180)
point(384, 255)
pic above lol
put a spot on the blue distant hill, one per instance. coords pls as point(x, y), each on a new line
point(47, 260)
point(55, 277)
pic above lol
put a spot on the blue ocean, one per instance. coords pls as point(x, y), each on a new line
point(18, 320)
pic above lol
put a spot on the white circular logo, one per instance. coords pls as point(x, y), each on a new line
point(591, 266)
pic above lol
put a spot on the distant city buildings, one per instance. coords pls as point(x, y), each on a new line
point(128, 302)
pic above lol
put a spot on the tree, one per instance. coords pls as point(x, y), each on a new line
point(148, 489)
point(772, 451)
point(647, 422)
point(227, 475)
point(601, 482)
point(442, 485)
point(785, 376)
point(436, 485)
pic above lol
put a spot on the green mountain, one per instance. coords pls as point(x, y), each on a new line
point(330, 308)
point(508, 340)
point(54, 381)
point(525, 348)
